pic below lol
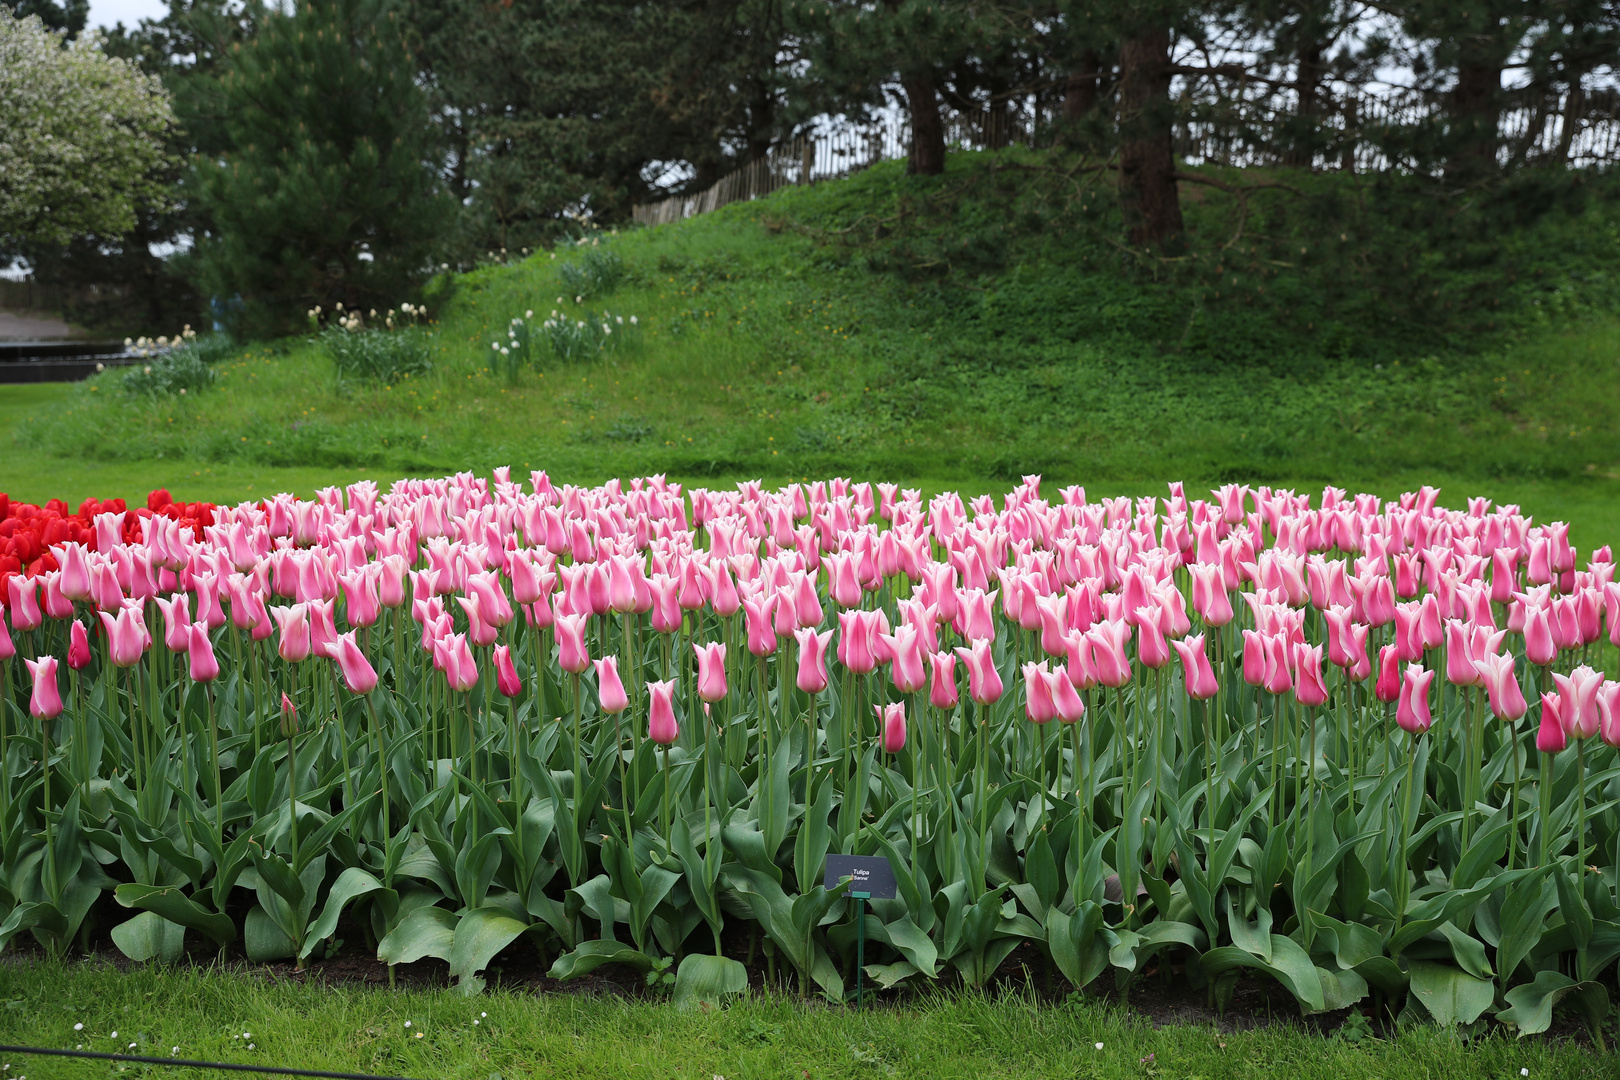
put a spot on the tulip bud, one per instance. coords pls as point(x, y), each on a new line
point(662, 727)
point(506, 676)
point(78, 657)
point(45, 702)
point(609, 689)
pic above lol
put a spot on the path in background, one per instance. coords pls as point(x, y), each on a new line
point(17, 326)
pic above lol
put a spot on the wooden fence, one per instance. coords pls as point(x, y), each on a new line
point(1358, 130)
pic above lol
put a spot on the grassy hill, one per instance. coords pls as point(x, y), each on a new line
point(963, 330)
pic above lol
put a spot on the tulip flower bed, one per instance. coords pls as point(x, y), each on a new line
point(1352, 747)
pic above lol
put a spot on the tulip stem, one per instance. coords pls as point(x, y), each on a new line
point(213, 753)
point(382, 761)
point(580, 809)
point(1513, 834)
point(1580, 816)
point(1544, 784)
point(635, 695)
point(1209, 792)
point(1080, 809)
point(667, 827)
point(1403, 883)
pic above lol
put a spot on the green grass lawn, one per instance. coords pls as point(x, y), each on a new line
point(215, 1016)
point(776, 339)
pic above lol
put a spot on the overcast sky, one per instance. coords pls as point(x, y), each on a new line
point(129, 12)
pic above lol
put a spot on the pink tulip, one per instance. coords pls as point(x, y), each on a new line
point(1196, 673)
point(360, 603)
point(1412, 712)
point(1209, 595)
point(905, 648)
point(1279, 679)
point(75, 582)
point(126, 636)
point(1460, 656)
point(358, 674)
point(1551, 736)
point(1356, 647)
point(1038, 704)
point(761, 630)
point(322, 625)
point(662, 727)
point(571, 654)
point(609, 689)
point(201, 662)
point(711, 660)
point(894, 726)
point(1609, 713)
point(984, 681)
point(78, 657)
point(1539, 647)
point(24, 593)
point(293, 622)
point(1108, 654)
point(1079, 668)
point(8, 648)
point(460, 670)
point(480, 631)
point(666, 609)
point(1339, 620)
point(975, 618)
point(1408, 631)
point(506, 676)
point(855, 642)
point(1502, 687)
point(1579, 692)
point(1066, 700)
point(176, 621)
point(1310, 689)
point(45, 702)
point(1254, 658)
point(57, 606)
point(812, 674)
point(723, 595)
point(1388, 687)
point(942, 692)
point(1151, 647)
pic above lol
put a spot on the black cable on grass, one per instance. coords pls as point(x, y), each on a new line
point(187, 1064)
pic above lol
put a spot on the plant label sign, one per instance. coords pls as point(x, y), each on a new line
point(870, 876)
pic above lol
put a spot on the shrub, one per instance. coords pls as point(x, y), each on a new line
point(577, 339)
point(384, 356)
point(177, 372)
point(595, 273)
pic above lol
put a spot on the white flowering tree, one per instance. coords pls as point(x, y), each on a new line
point(81, 135)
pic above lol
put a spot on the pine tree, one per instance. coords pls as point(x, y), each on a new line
point(330, 188)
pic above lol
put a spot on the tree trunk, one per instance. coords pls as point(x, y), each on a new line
point(1307, 88)
point(1080, 94)
point(927, 130)
point(1573, 108)
point(1147, 163)
point(1475, 115)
